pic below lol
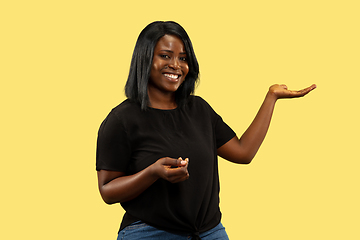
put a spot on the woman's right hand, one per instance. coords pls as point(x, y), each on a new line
point(171, 169)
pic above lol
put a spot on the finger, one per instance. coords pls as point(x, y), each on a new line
point(300, 93)
point(182, 161)
point(173, 161)
point(284, 86)
point(305, 91)
point(176, 174)
point(179, 176)
point(174, 167)
point(312, 87)
point(181, 179)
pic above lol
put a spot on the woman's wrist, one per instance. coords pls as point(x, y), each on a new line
point(271, 95)
point(153, 172)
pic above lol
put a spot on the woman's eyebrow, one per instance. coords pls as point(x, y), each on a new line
point(164, 50)
point(169, 51)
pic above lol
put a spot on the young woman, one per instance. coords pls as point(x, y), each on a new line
point(157, 151)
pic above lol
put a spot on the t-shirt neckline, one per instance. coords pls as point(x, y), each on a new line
point(164, 110)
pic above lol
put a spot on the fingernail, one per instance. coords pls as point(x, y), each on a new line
point(183, 162)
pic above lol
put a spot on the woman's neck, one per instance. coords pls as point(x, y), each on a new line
point(160, 100)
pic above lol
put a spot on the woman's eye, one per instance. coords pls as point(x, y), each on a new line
point(183, 59)
point(164, 56)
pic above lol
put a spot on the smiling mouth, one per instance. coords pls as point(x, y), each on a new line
point(172, 76)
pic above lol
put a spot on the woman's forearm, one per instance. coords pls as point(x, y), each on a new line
point(252, 138)
point(125, 188)
point(117, 187)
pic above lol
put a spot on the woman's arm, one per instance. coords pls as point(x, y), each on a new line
point(117, 187)
point(244, 149)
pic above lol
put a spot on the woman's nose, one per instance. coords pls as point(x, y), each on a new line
point(174, 63)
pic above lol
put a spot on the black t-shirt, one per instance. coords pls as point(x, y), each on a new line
point(131, 139)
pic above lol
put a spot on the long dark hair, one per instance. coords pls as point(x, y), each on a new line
point(140, 68)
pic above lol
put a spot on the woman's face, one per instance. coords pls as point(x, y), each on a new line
point(169, 67)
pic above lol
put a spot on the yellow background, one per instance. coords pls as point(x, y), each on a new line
point(64, 65)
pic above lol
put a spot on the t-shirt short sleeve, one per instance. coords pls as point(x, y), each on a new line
point(113, 149)
point(223, 132)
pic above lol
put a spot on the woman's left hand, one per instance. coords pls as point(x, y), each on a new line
point(281, 91)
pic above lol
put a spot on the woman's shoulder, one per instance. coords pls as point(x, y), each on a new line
point(199, 102)
point(127, 108)
point(127, 104)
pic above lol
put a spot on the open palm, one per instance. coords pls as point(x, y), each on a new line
point(281, 91)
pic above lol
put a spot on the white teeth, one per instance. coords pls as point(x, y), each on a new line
point(174, 76)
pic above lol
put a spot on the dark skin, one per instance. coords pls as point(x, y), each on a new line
point(168, 71)
point(167, 74)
